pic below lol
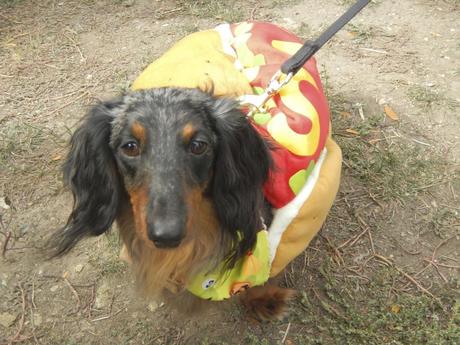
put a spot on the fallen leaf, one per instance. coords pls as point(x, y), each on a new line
point(345, 114)
point(395, 308)
point(37, 319)
point(56, 158)
point(7, 320)
point(390, 113)
point(4, 203)
point(352, 34)
point(351, 131)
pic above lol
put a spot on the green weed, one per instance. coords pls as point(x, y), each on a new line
point(423, 95)
point(283, 3)
point(213, 9)
point(390, 165)
point(360, 32)
point(343, 314)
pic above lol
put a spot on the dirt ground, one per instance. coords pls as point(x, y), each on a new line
point(385, 267)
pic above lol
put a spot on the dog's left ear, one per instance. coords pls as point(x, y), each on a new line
point(242, 165)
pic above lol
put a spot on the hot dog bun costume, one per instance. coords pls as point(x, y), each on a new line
point(237, 60)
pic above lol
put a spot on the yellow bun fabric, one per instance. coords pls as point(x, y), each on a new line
point(196, 61)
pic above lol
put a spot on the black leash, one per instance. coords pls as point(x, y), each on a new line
point(310, 48)
point(295, 62)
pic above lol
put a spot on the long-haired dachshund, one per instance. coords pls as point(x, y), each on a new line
point(183, 173)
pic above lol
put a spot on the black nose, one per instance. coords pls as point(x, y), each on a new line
point(166, 233)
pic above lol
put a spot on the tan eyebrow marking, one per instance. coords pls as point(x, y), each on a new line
point(138, 131)
point(188, 131)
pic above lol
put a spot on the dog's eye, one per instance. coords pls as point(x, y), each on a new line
point(197, 147)
point(131, 149)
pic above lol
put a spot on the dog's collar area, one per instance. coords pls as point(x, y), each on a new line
point(257, 102)
point(251, 270)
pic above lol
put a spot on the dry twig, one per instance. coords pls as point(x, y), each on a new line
point(335, 249)
point(5, 244)
point(286, 333)
point(75, 44)
point(329, 308)
point(352, 240)
point(409, 277)
point(33, 295)
point(74, 292)
point(17, 337)
point(107, 316)
point(434, 262)
point(253, 12)
point(86, 93)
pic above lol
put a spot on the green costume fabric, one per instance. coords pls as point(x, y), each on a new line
point(251, 270)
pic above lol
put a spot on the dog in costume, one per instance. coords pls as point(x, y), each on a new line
point(209, 203)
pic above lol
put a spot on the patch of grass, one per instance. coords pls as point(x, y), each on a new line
point(425, 96)
point(348, 312)
point(346, 2)
point(208, 341)
point(189, 28)
point(122, 82)
point(456, 3)
point(399, 170)
point(17, 139)
point(304, 30)
point(252, 339)
point(126, 3)
point(10, 3)
point(27, 150)
point(113, 240)
point(141, 331)
point(110, 266)
point(216, 9)
point(390, 165)
point(29, 154)
point(442, 219)
point(283, 3)
point(360, 32)
point(109, 263)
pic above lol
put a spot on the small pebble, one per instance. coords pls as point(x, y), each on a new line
point(7, 319)
point(37, 320)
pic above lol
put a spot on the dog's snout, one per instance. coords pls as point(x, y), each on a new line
point(167, 216)
point(166, 233)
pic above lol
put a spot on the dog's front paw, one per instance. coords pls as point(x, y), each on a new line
point(268, 302)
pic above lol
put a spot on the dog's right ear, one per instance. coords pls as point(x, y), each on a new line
point(91, 172)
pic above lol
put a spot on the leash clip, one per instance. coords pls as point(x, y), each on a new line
point(295, 62)
point(258, 101)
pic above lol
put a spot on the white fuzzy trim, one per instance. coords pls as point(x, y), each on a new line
point(283, 216)
point(226, 37)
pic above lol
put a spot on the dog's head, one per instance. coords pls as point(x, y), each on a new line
point(162, 152)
